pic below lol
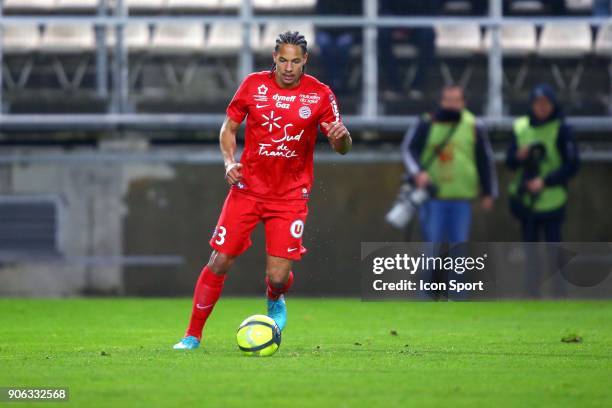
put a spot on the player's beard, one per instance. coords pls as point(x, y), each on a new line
point(291, 80)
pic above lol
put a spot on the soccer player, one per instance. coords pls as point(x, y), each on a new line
point(272, 182)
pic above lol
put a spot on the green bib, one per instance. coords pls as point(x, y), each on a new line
point(550, 198)
point(454, 171)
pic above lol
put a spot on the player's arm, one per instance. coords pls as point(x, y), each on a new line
point(227, 144)
point(332, 126)
point(339, 137)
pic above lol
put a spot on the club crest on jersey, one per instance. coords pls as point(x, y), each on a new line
point(305, 112)
point(297, 229)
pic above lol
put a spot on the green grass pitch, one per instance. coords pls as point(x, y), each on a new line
point(334, 353)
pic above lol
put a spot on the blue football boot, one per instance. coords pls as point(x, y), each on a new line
point(277, 310)
point(187, 343)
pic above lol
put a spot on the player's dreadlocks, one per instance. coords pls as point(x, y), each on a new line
point(291, 38)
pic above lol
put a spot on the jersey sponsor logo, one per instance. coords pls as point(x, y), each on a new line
point(262, 92)
point(271, 121)
point(297, 229)
point(292, 249)
point(334, 106)
point(305, 112)
point(267, 149)
point(287, 137)
point(283, 101)
point(280, 148)
point(311, 98)
point(258, 106)
point(284, 98)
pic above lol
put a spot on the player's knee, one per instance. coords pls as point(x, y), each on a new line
point(278, 277)
point(277, 283)
point(220, 263)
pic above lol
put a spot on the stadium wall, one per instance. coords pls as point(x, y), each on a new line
point(135, 208)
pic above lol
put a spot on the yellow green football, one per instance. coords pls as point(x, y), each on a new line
point(258, 335)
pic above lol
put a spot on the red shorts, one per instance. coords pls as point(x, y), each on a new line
point(283, 222)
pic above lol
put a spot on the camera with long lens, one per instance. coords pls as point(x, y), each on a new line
point(408, 201)
point(531, 165)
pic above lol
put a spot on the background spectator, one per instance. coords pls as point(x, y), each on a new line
point(422, 38)
point(462, 169)
point(336, 43)
point(545, 156)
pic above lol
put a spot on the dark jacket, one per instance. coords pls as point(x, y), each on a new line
point(566, 145)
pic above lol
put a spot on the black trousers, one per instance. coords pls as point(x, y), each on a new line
point(533, 227)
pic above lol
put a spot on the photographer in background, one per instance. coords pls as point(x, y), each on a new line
point(544, 153)
point(450, 155)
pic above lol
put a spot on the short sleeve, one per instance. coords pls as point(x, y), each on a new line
point(237, 108)
point(329, 111)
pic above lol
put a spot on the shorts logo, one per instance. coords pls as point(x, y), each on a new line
point(305, 112)
point(297, 229)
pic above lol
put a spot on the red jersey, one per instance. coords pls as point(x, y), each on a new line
point(281, 132)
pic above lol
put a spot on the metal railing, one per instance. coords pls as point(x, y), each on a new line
point(368, 118)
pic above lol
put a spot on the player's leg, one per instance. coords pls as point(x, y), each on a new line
point(284, 226)
point(231, 238)
point(205, 295)
point(279, 279)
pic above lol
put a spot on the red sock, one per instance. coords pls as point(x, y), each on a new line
point(274, 292)
point(206, 293)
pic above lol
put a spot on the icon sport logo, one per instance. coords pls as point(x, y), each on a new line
point(297, 229)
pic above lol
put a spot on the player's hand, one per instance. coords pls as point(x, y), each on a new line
point(535, 185)
point(486, 203)
point(233, 173)
point(422, 179)
point(335, 130)
point(522, 153)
